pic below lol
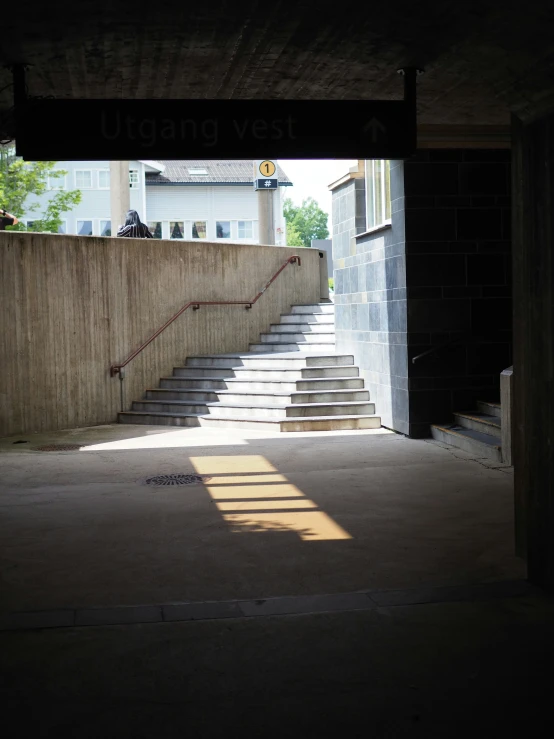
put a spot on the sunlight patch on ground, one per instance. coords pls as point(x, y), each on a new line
point(168, 440)
point(253, 499)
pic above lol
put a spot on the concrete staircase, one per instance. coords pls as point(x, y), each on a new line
point(478, 433)
point(292, 380)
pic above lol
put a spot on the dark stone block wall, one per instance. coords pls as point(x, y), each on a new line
point(458, 268)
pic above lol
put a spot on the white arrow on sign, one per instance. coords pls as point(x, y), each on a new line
point(375, 128)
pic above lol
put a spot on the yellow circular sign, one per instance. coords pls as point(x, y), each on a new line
point(267, 168)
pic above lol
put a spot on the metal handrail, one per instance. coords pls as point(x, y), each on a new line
point(437, 348)
point(115, 369)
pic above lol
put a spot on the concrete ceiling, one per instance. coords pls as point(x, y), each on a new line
point(482, 59)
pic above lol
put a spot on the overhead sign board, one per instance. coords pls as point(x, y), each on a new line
point(52, 129)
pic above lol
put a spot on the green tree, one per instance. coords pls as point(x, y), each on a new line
point(19, 180)
point(293, 236)
point(307, 220)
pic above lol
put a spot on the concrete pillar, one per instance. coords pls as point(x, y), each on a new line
point(120, 196)
point(323, 278)
point(266, 217)
point(507, 416)
point(533, 276)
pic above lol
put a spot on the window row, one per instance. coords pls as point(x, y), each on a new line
point(161, 229)
point(84, 227)
point(91, 179)
point(199, 229)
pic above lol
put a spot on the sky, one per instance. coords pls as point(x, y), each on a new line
point(310, 177)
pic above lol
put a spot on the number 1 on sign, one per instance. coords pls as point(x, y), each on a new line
point(267, 168)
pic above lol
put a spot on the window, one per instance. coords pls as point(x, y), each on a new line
point(103, 179)
point(105, 228)
point(199, 229)
point(155, 228)
point(62, 228)
point(83, 179)
point(56, 182)
point(245, 229)
point(176, 230)
point(197, 170)
point(84, 228)
point(30, 225)
point(377, 192)
point(134, 178)
point(223, 229)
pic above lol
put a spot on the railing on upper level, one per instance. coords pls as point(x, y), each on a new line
point(438, 347)
point(115, 369)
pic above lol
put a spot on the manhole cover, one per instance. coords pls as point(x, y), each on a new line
point(58, 448)
point(176, 479)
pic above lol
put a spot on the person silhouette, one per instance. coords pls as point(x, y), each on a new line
point(133, 227)
point(6, 219)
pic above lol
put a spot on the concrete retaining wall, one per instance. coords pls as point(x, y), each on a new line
point(71, 306)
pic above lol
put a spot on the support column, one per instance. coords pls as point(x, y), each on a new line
point(533, 270)
point(120, 196)
point(266, 217)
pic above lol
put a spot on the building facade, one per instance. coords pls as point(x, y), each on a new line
point(422, 270)
point(212, 200)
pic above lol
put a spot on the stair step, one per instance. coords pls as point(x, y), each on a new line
point(482, 422)
point(474, 442)
point(171, 406)
point(291, 398)
point(172, 393)
point(160, 419)
point(320, 347)
point(320, 423)
point(198, 383)
point(302, 328)
point(263, 374)
point(262, 360)
point(350, 408)
point(298, 338)
point(315, 308)
point(285, 386)
point(316, 423)
point(324, 383)
point(226, 408)
point(322, 319)
point(208, 371)
point(489, 408)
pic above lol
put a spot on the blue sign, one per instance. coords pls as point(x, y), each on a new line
point(266, 184)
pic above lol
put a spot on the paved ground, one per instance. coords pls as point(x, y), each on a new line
point(427, 627)
point(474, 669)
point(279, 515)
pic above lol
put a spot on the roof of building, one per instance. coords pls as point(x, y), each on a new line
point(207, 172)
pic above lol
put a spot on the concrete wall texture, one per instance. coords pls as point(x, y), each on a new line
point(440, 274)
point(71, 306)
point(533, 442)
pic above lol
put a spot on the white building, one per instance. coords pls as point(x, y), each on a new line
point(179, 199)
